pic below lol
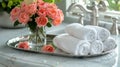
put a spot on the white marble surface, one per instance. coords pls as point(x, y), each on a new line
point(15, 58)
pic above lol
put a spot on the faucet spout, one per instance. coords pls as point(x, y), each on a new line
point(82, 8)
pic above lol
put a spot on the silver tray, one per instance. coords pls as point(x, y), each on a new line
point(12, 43)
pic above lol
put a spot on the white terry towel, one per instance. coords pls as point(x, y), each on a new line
point(81, 32)
point(65, 42)
point(102, 33)
point(109, 44)
point(71, 44)
point(96, 47)
point(83, 48)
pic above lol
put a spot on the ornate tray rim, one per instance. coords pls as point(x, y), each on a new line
point(56, 54)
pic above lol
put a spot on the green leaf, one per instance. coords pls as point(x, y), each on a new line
point(3, 4)
point(50, 1)
point(16, 23)
point(57, 1)
point(49, 24)
point(10, 3)
point(32, 26)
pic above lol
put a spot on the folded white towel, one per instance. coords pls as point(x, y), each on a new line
point(96, 47)
point(109, 44)
point(71, 44)
point(81, 32)
point(65, 43)
point(102, 33)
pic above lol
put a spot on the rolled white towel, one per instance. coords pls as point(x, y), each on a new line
point(109, 44)
point(102, 33)
point(71, 44)
point(81, 32)
point(83, 48)
point(96, 47)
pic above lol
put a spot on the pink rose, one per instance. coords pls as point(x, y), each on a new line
point(60, 13)
point(23, 18)
point(42, 11)
point(46, 5)
point(15, 12)
point(41, 21)
point(47, 9)
point(23, 45)
point(13, 18)
point(55, 14)
point(23, 7)
point(52, 12)
point(51, 5)
point(41, 5)
point(31, 9)
point(48, 48)
point(58, 18)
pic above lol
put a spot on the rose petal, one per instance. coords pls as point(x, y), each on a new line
point(48, 48)
point(24, 45)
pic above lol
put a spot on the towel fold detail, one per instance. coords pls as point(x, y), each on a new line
point(102, 33)
point(83, 48)
point(96, 47)
point(109, 44)
point(81, 32)
point(71, 44)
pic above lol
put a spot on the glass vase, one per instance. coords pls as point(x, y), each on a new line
point(38, 37)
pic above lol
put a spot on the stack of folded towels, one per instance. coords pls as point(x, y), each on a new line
point(84, 40)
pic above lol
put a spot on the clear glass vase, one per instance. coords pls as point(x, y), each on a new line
point(38, 37)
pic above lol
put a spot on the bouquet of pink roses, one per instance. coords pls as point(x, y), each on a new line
point(36, 13)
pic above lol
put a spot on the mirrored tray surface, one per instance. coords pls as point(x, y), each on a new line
point(14, 41)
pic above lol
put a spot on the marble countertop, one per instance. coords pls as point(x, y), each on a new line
point(15, 58)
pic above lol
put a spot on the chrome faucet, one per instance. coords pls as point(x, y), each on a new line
point(92, 10)
point(114, 29)
point(94, 14)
